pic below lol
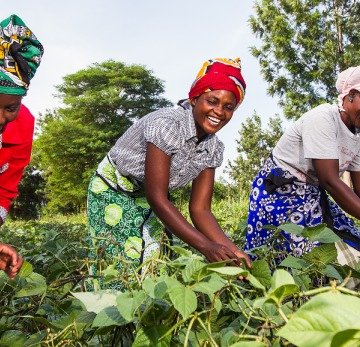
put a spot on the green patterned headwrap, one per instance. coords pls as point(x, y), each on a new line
point(20, 56)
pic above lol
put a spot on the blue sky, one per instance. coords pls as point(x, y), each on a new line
point(171, 38)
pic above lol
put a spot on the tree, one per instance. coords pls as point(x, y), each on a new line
point(100, 103)
point(305, 43)
point(31, 198)
point(253, 148)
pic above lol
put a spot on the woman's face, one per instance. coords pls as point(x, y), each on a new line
point(9, 108)
point(212, 111)
point(353, 110)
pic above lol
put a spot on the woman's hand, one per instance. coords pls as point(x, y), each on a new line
point(242, 255)
point(215, 252)
point(10, 260)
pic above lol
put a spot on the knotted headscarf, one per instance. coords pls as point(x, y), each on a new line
point(220, 73)
point(347, 80)
point(20, 56)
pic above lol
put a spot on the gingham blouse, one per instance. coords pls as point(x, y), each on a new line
point(173, 131)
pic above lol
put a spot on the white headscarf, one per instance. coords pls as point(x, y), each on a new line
point(347, 80)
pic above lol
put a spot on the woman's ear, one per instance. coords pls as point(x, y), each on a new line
point(193, 102)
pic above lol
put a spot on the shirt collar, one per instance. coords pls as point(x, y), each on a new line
point(190, 129)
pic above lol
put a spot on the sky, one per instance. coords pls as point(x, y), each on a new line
point(171, 38)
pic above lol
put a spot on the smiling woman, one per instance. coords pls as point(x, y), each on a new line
point(128, 205)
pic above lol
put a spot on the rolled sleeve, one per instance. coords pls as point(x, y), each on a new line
point(218, 157)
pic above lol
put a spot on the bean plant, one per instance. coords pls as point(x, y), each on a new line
point(178, 299)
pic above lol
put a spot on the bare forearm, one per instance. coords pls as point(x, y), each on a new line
point(177, 224)
point(206, 223)
point(344, 196)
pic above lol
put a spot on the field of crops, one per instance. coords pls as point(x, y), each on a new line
point(174, 301)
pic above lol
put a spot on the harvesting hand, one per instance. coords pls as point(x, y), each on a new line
point(242, 256)
point(218, 252)
point(10, 260)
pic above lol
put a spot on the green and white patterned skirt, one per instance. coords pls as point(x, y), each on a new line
point(124, 231)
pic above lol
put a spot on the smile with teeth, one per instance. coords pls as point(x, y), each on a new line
point(213, 120)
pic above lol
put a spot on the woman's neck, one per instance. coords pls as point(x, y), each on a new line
point(347, 120)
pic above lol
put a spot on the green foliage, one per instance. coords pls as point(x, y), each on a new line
point(253, 148)
point(304, 44)
point(100, 103)
point(304, 329)
point(178, 301)
point(31, 198)
point(229, 206)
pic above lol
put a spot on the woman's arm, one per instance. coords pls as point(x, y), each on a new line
point(202, 216)
point(157, 169)
point(355, 179)
point(328, 174)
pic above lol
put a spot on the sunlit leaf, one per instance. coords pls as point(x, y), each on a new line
point(97, 301)
point(318, 321)
point(183, 299)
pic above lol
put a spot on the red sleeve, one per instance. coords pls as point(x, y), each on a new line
point(14, 156)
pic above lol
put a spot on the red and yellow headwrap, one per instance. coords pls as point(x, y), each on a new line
point(220, 73)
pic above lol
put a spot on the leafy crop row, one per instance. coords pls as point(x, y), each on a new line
point(176, 301)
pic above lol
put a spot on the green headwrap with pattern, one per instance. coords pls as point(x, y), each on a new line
point(20, 56)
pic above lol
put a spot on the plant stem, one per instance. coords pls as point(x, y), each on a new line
point(212, 341)
point(282, 314)
point(189, 329)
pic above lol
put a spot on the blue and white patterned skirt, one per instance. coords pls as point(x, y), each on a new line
point(278, 197)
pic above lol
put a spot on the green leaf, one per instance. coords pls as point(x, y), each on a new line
point(321, 233)
point(331, 272)
point(183, 299)
point(261, 270)
point(280, 278)
point(156, 311)
point(149, 286)
point(97, 301)
point(81, 319)
point(151, 337)
point(155, 288)
point(292, 228)
point(303, 281)
point(346, 338)
point(26, 270)
point(217, 305)
point(192, 269)
point(282, 286)
point(110, 273)
point(318, 321)
point(171, 282)
point(322, 255)
point(35, 339)
point(108, 317)
point(209, 285)
point(294, 263)
point(182, 251)
point(230, 271)
point(243, 343)
point(13, 338)
point(128, 303)
point(344, 271)
point(35, 284)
